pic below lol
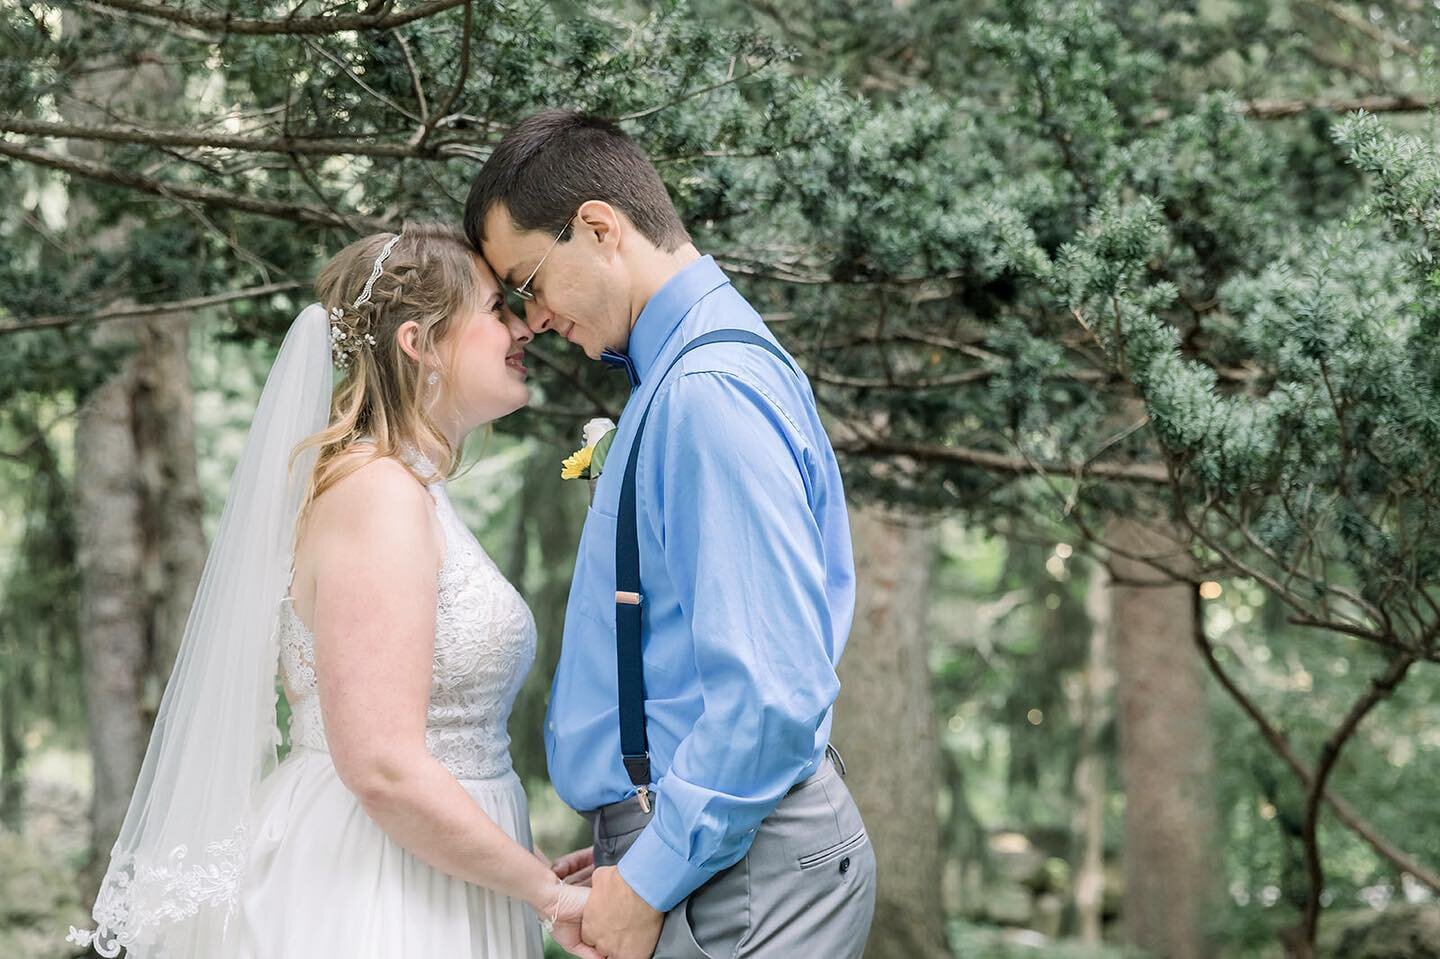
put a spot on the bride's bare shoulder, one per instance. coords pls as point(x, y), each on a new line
point(372, 511)
point(365, 488)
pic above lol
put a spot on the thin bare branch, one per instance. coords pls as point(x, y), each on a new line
point(919, 383)
point(149, 136)
point(279, 209)
point(700, 92)
point(1278, 744)
point(1378, 691)
point(415, 81)
point(442, 112)
point(1148, 473)
point(1372, 30)
point(360, 81)
point(283, 26)
point(132, 311)
point(1276, 109)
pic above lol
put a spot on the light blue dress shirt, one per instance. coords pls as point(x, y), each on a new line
point(749, 592)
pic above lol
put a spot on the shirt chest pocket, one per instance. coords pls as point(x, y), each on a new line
point(593, 593)
point(669, 656)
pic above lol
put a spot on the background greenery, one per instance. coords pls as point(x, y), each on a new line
point(1051, 266)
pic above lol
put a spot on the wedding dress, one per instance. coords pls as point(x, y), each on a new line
point(322, 879)
point(223, 854)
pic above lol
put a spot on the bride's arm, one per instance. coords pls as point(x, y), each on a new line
point(377, 551)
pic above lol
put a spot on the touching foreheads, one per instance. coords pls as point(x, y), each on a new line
point(552, 162)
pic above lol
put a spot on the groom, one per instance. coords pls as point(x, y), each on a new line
point(725, 828)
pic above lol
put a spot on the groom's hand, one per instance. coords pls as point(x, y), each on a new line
point(617, 922)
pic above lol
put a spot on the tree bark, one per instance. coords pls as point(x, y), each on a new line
point(12, 740)
point(1172, 872)
point(114, 615)
point(138, 504)
point(1095, 714)
point(175, 548)
point(885, 729)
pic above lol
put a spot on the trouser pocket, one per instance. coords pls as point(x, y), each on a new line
point(677, 936)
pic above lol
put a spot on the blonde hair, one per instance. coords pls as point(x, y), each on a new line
point(429, 277)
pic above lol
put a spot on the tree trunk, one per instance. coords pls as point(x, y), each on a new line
point(138, 501)
point(885, 729)
point(1095, 710)
point(1172, 872)
point(12, 739)
point(114, 614)
point(142, 549)
point(175, 547)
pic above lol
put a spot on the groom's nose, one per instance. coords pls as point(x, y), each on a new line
point(538, 318)
point(519, 329)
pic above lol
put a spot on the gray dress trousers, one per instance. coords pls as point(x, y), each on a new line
point(805, 888)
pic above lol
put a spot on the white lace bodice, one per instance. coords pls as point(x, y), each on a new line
point(484, 646)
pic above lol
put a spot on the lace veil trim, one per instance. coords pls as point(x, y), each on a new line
point(138, 898)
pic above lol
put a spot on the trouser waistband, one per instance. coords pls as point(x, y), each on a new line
point(627, 816)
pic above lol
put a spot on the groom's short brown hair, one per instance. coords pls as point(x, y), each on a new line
point(552, 162)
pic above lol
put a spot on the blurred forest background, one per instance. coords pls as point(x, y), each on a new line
point(1125, 317)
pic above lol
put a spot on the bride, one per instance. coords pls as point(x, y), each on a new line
point(396, 826)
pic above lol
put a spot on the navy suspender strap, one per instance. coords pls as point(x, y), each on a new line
point(630, 599)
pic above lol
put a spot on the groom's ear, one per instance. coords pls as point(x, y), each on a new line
point(601, 226)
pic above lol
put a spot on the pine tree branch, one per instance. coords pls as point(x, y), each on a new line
point(876, 447)
point(883, 383)
point(1278, 589)
point(1277, 109)
point(699, 92)
point(291, 143)
point(1255, 543)
point(1280, 745)
point(284, 26)
point(99, 172)
point(1379, 103)
point(1372, 30)
point(415, 82)
point(360, 81)
point(1336, 62)
point(131, 311)
point(442, 112)
point(1380, 689)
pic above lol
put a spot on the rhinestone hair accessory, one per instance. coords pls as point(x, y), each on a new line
point(346, 342)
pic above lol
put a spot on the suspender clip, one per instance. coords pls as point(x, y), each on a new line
point(644, 793)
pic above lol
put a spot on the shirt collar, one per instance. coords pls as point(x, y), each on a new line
point(663, 313)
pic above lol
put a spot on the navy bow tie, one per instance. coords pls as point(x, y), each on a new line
point(618, 360)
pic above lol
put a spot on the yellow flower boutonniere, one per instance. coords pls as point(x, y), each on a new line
point(589, 460)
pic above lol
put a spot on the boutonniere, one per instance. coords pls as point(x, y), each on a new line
point(589, 459)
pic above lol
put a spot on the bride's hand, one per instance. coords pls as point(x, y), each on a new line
point(566, 909)
point(576, 867)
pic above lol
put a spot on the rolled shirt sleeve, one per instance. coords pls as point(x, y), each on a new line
point(727, 480)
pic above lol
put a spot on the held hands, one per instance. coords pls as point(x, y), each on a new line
point(617, 922)
point(562, 907)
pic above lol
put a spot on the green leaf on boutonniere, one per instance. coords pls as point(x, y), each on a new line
point(602, 450)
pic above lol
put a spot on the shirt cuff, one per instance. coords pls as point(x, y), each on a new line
point(659, 874)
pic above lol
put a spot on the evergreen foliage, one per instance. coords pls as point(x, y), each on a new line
point(1045, 261)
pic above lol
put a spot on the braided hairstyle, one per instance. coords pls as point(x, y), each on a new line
point(429, 277)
